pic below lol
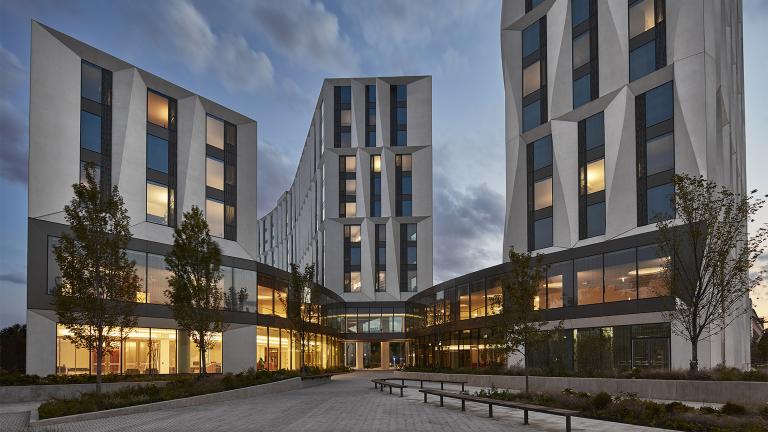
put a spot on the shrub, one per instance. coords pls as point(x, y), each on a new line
point(733, 409)
point(601, 401)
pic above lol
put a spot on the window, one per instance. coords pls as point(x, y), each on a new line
point(642, 61)
point(352, 242)
point(464, 307)
point(214, 214)
point(581, 50)
point(654, 119)
point(579, 11)
point(647, 37)
point(214, 173)
point(584, 51)
point(408, 263)
point(403, 184)
point(90, 81)
point(531, 39)
point(140, 265)
point(157, 109)
point(542, 233)
point(381, 258)
point(376, 185)
point(157, 203)
point(589, 279)
point(370, 124)
point(641, 17)
point(265, 294)
point(560, 285)
point(531, 78)
point(347, 186)
point(620, 280)
point(343, 116)
point(214, 132)
point(157, 154)
point(650, 272)
point(581, 91)
point(90, 131)
point(96, 172)
point(542, 194)
point(531, 116)
point(157, 279)
point(592, 176)
point(398, 115)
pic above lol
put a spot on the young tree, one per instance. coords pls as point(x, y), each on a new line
point(521, 323)
point(709, 255)
point(194, 294)
point(13, 347)
point(301, 302)
point(96, 296)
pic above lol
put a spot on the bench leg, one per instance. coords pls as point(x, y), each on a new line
point(441, 401)
point(401, 392)
point(463, 405)
point(441, 386)
point(381, 387)
point(462, 387)
point(567, 423)
point(402, 382)
point(421, 385)
point(425, 398)
point(525, 417)
point(390, 389)
point(490, 410)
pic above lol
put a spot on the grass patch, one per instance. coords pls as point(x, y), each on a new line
point(178, 387)
point(716, 374)
point(628, 408)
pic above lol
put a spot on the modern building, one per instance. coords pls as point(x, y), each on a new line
point(605, 102)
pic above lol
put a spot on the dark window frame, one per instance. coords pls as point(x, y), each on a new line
point(533, 176)
point(657, 35)
point(587, 156)
point(540, 95)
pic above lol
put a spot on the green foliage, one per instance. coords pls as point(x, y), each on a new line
point(301, 302)
point(178, 386)
point(13, 348)
point(96, 295)
point(628, 408)
point(194, 295)
point(601, 401)
point(710, 256)
point(15, 379)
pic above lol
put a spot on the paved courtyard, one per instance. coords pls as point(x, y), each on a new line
point(348, 403)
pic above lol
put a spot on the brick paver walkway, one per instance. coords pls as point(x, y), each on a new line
point(348, 403)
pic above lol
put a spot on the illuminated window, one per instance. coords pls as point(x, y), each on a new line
point(531, 78)
point(542, 194)
point(157, 203)
point(346, 117)
point(214, 132)
point(650, 273)
point(214, 214)
point(350, 209)
point(589, 279)
point(641, 17)
point(157, 109)
point(376, 163)
point(350, 186)
point(596, 176)
point(620, 280)
point(214, 173)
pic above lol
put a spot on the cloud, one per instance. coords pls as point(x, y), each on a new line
point(306, 32)
point(229, 56)
point(13, 121)
point(468, 228)
point(275, 173)
point(15, 278)
point(389, 24)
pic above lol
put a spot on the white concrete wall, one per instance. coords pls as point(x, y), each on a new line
point(239, 348)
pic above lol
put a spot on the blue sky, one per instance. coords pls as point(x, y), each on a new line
point(267, 59)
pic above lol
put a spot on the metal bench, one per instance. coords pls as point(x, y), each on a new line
point(383, 382)
point(507, 404)
point(422, 381)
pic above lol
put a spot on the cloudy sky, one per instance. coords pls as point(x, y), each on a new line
point(267, 59)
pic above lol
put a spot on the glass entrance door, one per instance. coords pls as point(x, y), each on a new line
point(372, 355)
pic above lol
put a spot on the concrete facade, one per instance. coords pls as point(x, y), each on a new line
point(702, 58)
point(305, 226)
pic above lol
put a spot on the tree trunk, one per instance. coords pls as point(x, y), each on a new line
point(526, 380)
point(99, 356)
point(301, 355)
point(202, 358)
point(694, 365)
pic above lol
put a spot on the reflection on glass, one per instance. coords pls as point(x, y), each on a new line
point(531, 39)
point(265, 294)
point(90, 131)
point(542, 152)
point(157, 109)
point(589, 280)
point(464, 312)
point(642, 61)
point(90, 81)
point(214, 214)
point(477, 300)
point(157, 279)
point(660, 154)
point(355, 281)
point(140, 265)
point(542, 233)
point(214, 173)
point(214, 132)
point(542, 194)
point(494, 296)
point(660, 202)
point(212, 355)
point(581, 50)
point(531, 78)
point(620, 282)
point(346, 117)
point(531, 115)
point(650, 273)
point(560, 284)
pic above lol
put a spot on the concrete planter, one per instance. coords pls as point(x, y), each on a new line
point(34, 393)
point(740, 392)
point(241, 393)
